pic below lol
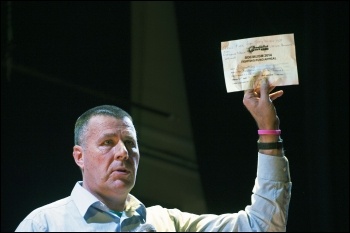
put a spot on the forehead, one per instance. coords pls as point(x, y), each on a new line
point(109, 124)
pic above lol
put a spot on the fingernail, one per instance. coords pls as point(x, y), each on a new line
point(264, 81)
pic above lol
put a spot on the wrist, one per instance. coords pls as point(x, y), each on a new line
point(270, 142)
point(269, 138)
point(269, 131)
point(272, 152)
point(269, 135)
point(270, 145)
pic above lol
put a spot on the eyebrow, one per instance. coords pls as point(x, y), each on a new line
point(107, 135)
point(124, 133)
point(129, 135)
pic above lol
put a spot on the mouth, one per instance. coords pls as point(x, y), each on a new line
point(121, 171)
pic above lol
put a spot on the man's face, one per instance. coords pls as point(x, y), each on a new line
point(110, 156)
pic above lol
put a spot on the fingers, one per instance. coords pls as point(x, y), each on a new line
point(249, 93)
point(273, 96)
point(276, 95)
point(264, 89)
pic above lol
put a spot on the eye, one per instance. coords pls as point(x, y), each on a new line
point(130, 143)
point(107, 142)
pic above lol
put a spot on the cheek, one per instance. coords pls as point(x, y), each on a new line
point(134, 158)
point(136, 162)
point(90, 165)
point(93, 162)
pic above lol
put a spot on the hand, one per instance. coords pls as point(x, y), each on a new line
point(259, 104)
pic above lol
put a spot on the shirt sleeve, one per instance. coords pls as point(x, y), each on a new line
point(268, 210)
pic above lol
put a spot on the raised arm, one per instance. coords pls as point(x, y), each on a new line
point(259, 104)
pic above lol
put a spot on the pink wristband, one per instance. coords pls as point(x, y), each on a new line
point(271, 132)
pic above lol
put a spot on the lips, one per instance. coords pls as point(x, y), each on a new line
point(122, 170)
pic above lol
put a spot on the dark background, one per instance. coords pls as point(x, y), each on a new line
point(88, 45)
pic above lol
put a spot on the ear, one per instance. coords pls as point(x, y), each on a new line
point(78, 156)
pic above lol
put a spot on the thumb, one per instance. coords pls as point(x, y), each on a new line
point(264, 89)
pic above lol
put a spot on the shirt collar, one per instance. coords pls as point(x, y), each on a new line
point(83, 199)
point(135, 207)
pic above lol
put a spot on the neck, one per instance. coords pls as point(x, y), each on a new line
point(114, 201)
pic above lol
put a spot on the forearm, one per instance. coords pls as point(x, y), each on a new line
point(271, 139)
point(272, 192)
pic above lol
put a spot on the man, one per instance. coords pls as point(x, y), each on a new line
point(107, 153)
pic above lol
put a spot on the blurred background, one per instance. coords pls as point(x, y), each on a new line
point(161, 61)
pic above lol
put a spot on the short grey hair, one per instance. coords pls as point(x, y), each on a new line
point(107, 110)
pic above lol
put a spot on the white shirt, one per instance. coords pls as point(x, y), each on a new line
point(81, 211)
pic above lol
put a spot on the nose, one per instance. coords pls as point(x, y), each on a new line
point(120, 151)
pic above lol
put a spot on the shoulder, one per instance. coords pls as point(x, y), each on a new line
point(159, 212)
point(53, 206)
point(38, 219)
point(157, 209)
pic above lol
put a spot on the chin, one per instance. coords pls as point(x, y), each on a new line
point(122, 185)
